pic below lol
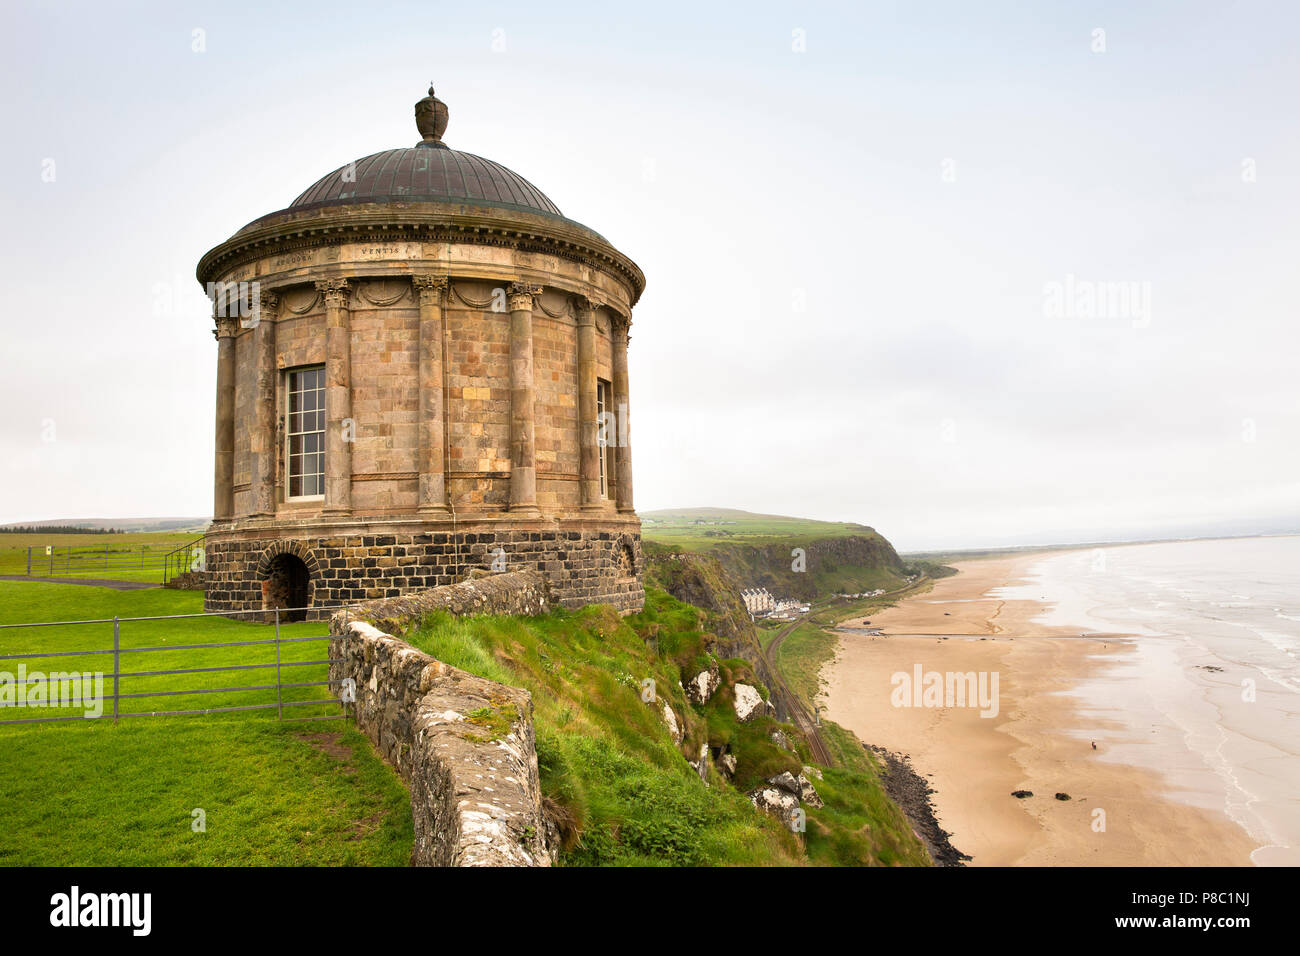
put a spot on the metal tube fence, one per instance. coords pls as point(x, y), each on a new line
point(164, 560)
point(117, 651)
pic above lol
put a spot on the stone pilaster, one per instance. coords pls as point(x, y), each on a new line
point(589, 452)
point(223, 500)
point(432, 496)
point(339, 427)
point(523, 451)
point(623, 441)
point(262, 439)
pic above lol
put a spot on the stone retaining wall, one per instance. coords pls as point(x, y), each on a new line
point(464, 744)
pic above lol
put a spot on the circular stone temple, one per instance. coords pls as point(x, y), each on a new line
point(421, 371)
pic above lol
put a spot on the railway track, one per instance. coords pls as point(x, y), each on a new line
point(794, 706)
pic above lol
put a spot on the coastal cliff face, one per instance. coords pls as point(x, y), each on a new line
point(843, 564)
point(802, 567)
point(701, 581)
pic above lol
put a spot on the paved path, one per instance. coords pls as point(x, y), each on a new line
point(94, 582)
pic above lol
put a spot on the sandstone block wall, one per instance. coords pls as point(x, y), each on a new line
point(465, 745)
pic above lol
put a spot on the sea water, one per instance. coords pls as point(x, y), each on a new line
point(1209, 694)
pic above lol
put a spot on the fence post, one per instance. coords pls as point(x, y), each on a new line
point(116, 669)
point(279, 694)
point(343, 669)
point(29, 560)
point(51, 560)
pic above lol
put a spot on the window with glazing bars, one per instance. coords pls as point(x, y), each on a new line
point(306, 433)
point(606, 434)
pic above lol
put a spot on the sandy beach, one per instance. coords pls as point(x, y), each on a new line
point(1117, 815)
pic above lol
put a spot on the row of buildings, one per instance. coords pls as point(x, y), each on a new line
point(759, 602)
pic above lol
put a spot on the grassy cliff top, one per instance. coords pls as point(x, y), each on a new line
point(698, 529)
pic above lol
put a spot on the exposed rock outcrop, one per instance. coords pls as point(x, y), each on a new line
point(701, 766)
point(670, 721)
point(700, 688)
point(807, 794)
point(749, 703)
point(784, 795)
point(777, 802)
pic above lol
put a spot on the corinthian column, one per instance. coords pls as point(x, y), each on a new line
point(430, 290)
point(262, 440)
point(523, 451)
point(623, 445)
point(589, 453)
point(223, 483)
point(339, 427)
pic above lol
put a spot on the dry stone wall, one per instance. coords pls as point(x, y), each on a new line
point(464, 744)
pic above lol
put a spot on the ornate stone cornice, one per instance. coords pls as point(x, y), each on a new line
point(335, 291)
point(227, 327)
point(520, 296)
point(289, 231)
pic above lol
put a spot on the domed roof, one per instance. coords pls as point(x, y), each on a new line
point(428, 172)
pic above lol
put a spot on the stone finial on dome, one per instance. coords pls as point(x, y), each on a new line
point(431, 120)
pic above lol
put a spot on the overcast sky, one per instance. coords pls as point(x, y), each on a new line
point(871, 233)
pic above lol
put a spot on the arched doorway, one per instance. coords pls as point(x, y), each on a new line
point(287, 584)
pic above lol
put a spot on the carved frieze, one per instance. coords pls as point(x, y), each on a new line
point(384, 292)
point(301, 300)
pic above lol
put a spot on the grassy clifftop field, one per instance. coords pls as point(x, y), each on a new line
point(98, 793)
point(693, 529)
point(792, 557)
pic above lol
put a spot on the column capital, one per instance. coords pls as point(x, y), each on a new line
point(585, 306)
point(621, 325)
point(227, 327)
point(429, 289)
point(336, 291)
point(521, 296)
point(266, 307)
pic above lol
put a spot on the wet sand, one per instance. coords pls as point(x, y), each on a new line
point(1037, 741)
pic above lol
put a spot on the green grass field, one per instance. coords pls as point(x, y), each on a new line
point(115, 557)
point(699, 529)
point(91, 791)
